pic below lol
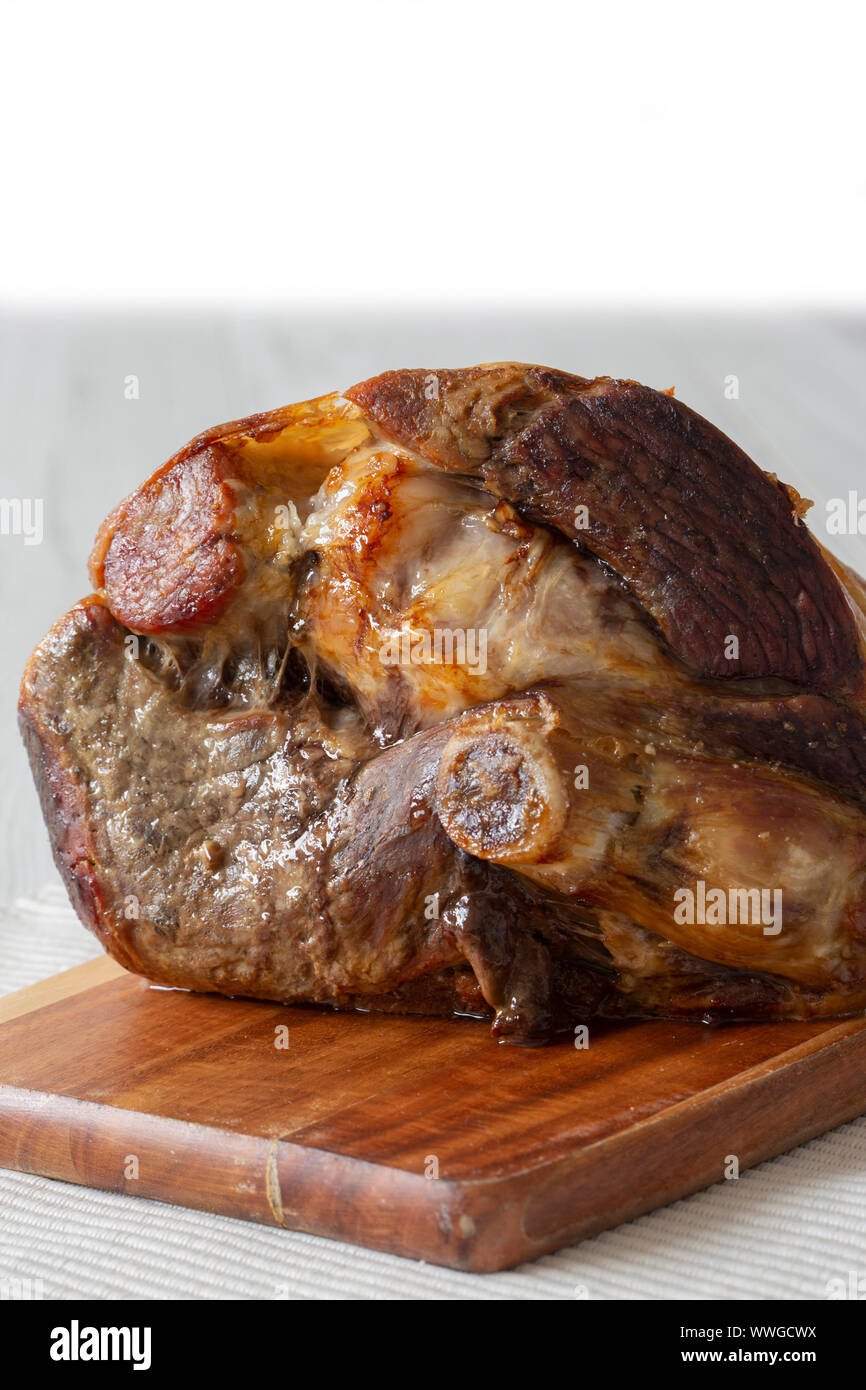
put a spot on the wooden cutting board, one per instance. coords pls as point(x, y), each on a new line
point(186, 1098)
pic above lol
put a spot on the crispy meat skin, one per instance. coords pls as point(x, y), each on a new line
point(708, 543)
point(247, 792)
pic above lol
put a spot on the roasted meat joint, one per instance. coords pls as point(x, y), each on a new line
point(496, 692)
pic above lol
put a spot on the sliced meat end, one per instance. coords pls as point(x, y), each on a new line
point(168, 559)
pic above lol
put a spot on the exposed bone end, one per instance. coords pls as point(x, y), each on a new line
point(500, 794)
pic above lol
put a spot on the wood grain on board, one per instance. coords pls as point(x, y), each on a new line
point(186, 1098)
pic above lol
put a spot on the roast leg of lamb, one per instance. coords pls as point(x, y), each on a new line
point(496, 692)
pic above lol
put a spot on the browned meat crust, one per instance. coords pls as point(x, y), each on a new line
point(710, 545)
point(245, 794)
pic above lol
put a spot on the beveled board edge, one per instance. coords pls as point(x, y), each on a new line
point(482, 1225)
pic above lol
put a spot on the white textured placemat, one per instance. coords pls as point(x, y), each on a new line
point(781, 1231)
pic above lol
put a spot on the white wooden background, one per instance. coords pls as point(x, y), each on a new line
point(71, 437)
